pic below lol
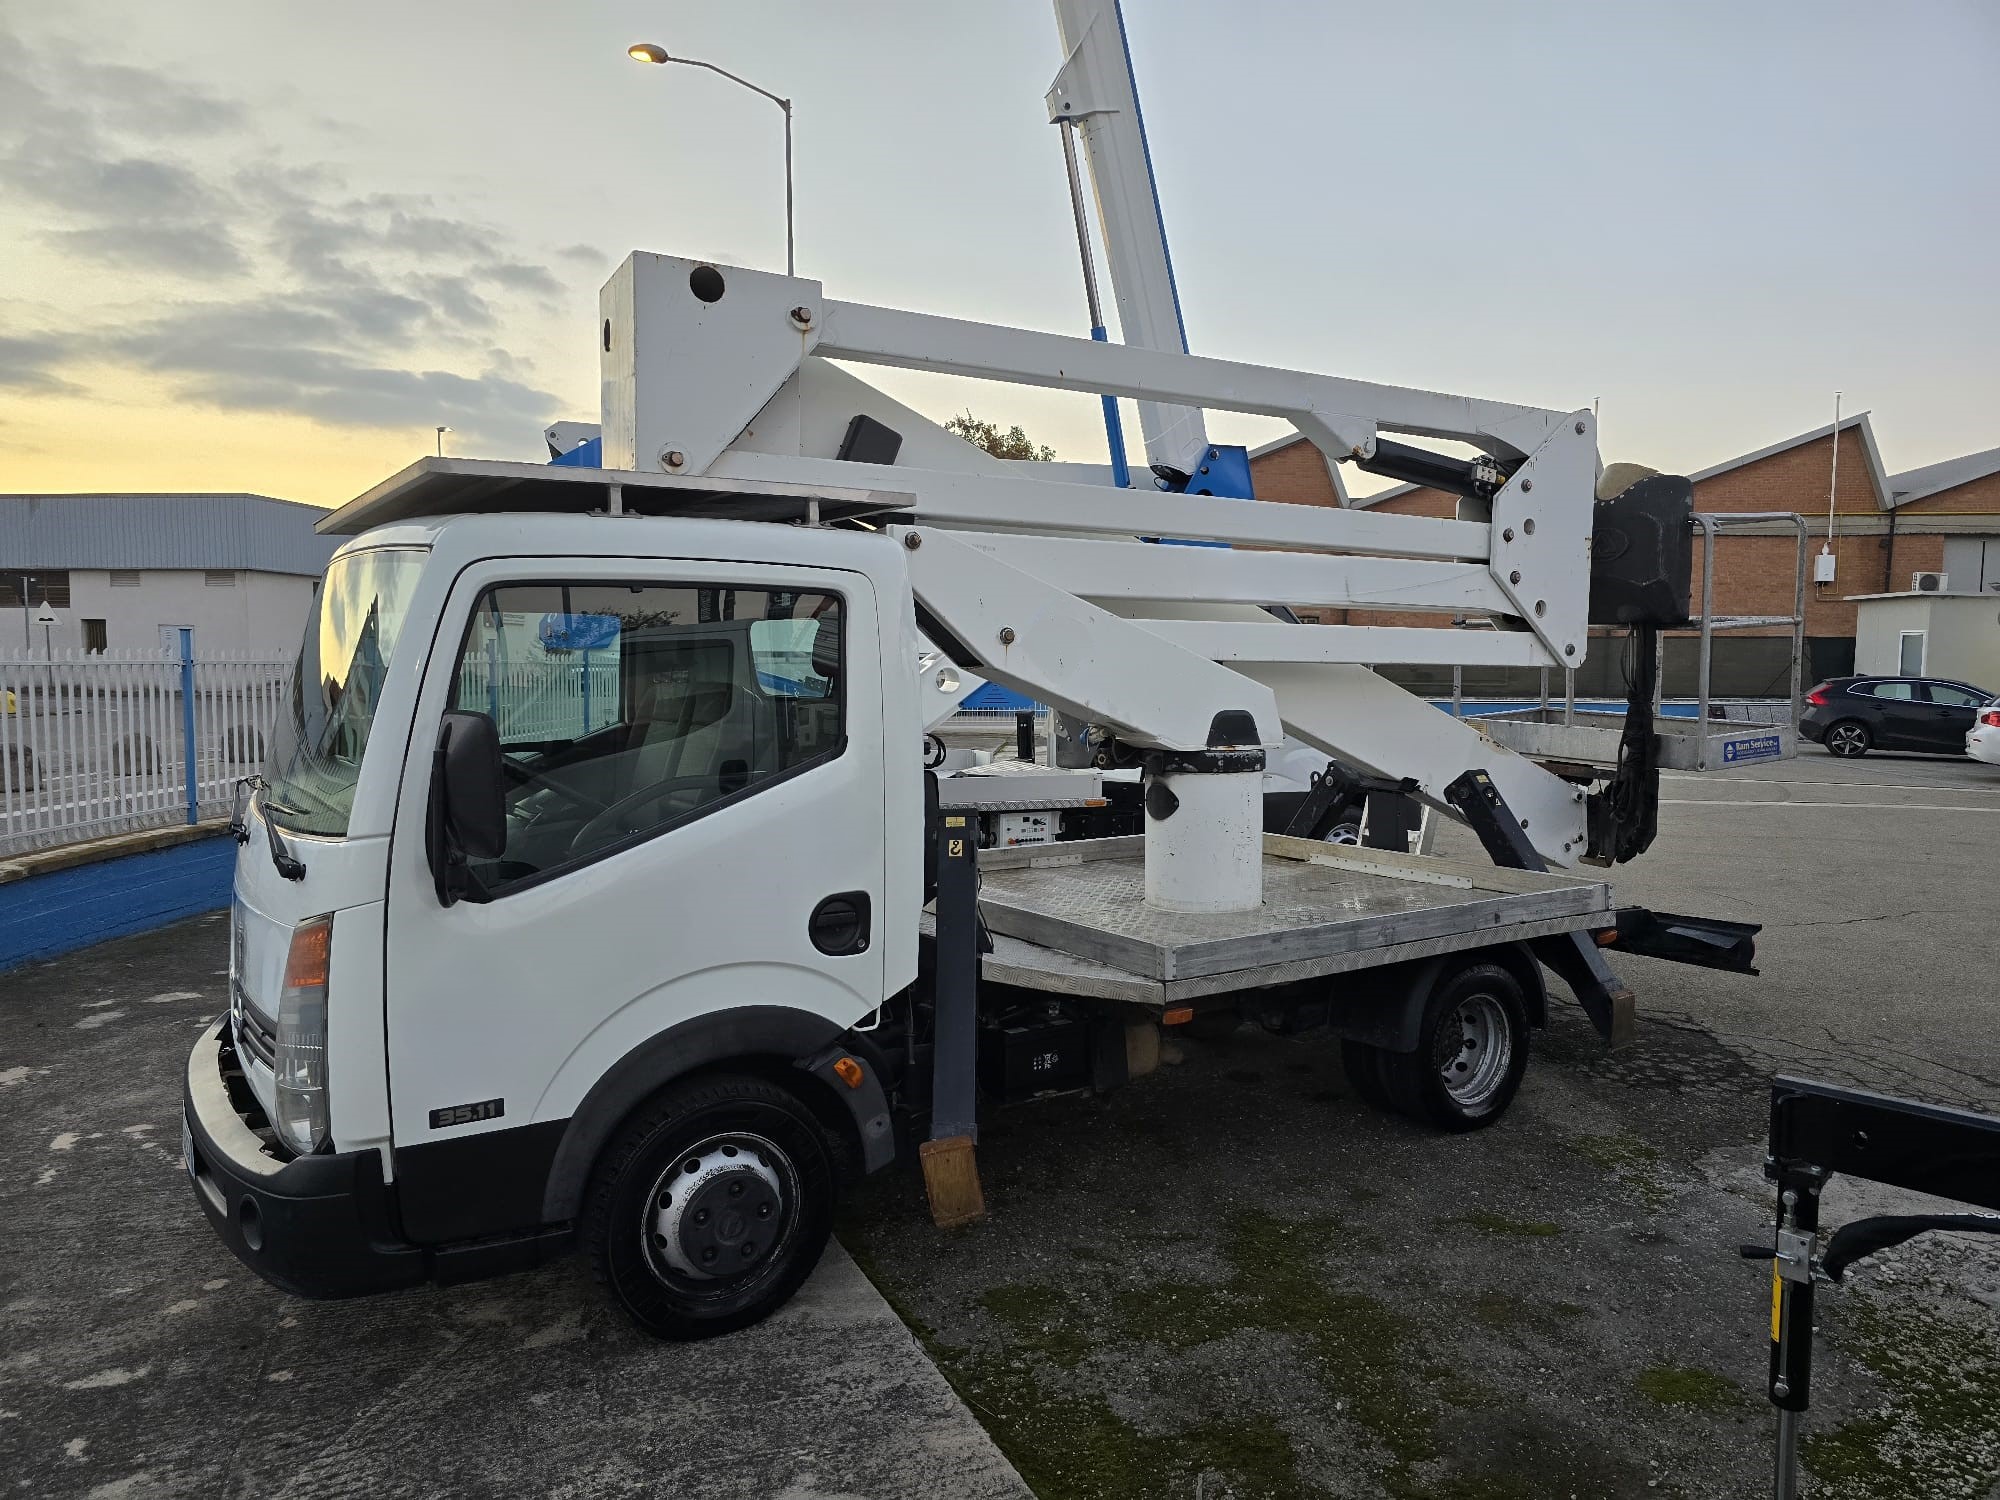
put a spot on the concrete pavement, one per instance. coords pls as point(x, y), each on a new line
point(138, 1359)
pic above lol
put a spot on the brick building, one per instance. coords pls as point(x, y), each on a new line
point(1886, 529)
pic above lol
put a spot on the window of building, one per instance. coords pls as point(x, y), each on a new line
point(219, 578)
point(94, 638)
point(125, 578)
point(40, 587)
point(628, 709)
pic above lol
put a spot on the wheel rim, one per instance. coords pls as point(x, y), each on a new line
point(1348, 834)
point(721, 1212)
point(1845, 739)
point(1475, 1048)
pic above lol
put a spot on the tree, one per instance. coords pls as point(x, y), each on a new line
point(1013, 443)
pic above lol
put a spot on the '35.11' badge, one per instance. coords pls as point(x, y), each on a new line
point(467, 1114)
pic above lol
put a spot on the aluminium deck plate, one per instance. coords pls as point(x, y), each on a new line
point(1325, 908)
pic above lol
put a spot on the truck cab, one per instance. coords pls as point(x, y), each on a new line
point(585, 842)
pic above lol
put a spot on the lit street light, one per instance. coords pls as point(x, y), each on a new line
point(649, 52)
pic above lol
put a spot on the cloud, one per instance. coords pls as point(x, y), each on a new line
point(332, 356)
point(129, 208)
point(365, 309)
point(26, 365)
point(151, 104)
point(521, 278)
point(199, 250)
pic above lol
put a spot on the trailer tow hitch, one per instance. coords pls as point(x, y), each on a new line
point(1818, 1129)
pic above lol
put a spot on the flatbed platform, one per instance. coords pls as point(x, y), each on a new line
point(1071, 918)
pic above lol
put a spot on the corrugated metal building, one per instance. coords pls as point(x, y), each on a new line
point(128, 572)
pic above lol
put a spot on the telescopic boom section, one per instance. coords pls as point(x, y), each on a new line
point(1096, 92)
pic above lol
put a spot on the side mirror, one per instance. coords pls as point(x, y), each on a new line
point(468, 807)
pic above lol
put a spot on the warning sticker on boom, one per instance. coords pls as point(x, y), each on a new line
point(1756, 747)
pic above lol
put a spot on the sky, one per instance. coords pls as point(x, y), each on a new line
point(269, 246)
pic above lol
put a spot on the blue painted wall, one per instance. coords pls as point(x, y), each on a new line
point(56, 913)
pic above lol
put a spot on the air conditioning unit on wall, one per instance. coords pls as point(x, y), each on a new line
point(1929, 583)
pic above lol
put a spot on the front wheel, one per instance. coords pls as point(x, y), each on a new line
point(1472, 1049)
point(711, 1207)
point(1848, 739)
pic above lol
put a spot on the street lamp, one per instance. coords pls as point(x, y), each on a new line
point(649, 52)
point(441, 432)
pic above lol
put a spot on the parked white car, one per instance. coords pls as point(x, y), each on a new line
point(1982, 740)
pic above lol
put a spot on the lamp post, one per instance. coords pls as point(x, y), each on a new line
point(441, 432)
point(649, 52)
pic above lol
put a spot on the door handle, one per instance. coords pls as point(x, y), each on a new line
point(838, 926)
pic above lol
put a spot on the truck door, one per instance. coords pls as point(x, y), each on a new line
point(694, 753)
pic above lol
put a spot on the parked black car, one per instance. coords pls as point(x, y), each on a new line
point(1853, 715)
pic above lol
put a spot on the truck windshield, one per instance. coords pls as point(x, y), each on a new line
point(322, 728)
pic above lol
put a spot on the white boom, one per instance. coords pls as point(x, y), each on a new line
point(1096, 93)
point(1046, 589)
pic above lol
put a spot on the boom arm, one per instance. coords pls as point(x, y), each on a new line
point(1040, 583)
point(1096, 92)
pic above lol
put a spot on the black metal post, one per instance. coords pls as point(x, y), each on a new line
point(951, 1174)
point(955, 1026)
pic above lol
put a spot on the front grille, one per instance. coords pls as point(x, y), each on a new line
point(255, 1038)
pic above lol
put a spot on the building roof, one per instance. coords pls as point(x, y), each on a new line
point(253, 533)
point(1877, 476)
point(1362, 502)
point(1935, 479)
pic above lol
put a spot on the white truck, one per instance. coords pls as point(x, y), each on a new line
point(596, 894)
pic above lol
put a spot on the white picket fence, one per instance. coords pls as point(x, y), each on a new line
point(92, 745)
point(543, 698)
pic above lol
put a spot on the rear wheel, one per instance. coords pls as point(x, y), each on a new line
point(1849, 739)
point(711, 1207)
point(1472, 1048)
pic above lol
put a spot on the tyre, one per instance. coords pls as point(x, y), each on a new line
point(1364, 1074)
point(711, 1207)
point(1849, 739)
point(1472, 1048)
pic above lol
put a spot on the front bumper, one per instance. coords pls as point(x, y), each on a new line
point(316, 1226)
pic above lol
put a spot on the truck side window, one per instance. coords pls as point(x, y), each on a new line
point(627, 709)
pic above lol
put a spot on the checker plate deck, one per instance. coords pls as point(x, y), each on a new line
point(1324, 905)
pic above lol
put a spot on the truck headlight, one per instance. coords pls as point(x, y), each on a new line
point(301, 1050)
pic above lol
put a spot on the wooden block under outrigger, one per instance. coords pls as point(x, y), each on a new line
point(951, 1182)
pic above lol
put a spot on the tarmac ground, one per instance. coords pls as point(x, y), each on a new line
point(1230, 1278)
point(1234, 1278)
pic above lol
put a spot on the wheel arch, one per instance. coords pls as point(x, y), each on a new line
point(795, 1049)
point(1386, 1006)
